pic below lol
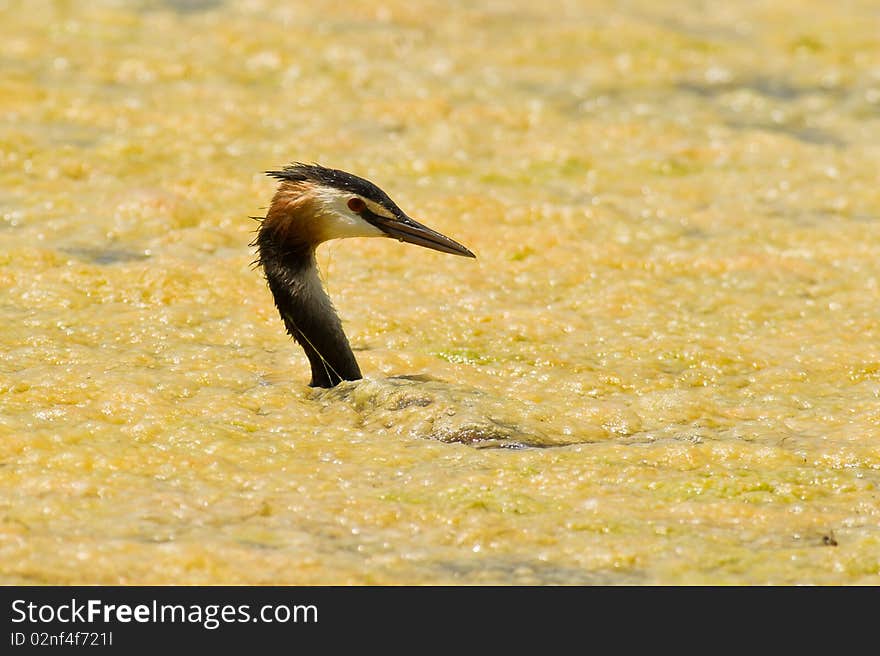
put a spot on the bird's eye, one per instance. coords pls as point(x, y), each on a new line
point(356, 204)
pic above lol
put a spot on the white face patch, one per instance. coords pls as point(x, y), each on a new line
point(337, 221)
point(375, 208)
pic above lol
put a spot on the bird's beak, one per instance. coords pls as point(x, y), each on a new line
point(409, 230)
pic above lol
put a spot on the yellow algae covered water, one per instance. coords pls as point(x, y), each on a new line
point(672, 323)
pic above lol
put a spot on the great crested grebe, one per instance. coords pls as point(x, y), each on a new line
point(312, 205)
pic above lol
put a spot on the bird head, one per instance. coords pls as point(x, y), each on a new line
point(314, 204)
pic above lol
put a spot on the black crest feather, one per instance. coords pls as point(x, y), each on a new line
point(299, 172)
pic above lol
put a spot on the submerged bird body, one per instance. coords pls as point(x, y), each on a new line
point(311, 205)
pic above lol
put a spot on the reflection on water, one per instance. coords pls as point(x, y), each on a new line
point(526, 572)
point(185, 6)
point(105, 255)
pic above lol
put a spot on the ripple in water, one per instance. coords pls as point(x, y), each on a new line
point(446, 412)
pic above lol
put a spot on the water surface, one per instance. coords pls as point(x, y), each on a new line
point(663, 367)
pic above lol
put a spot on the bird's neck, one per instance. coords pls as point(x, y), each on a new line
point(308, 314)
